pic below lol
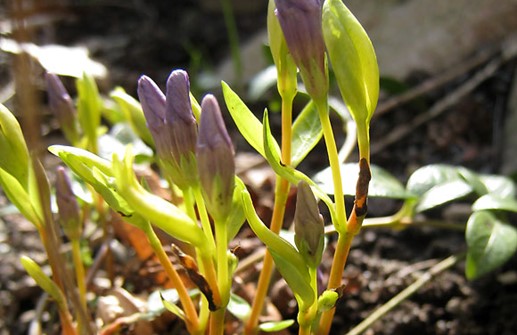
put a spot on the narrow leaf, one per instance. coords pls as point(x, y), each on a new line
point(247, 123)
point(172, 307)
point(275, 326)
point(43, 281)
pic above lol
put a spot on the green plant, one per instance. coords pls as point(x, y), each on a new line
point(190, 145)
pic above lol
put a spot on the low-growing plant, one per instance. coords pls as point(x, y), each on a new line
point(190, 145)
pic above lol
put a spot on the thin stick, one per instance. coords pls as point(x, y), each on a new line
point(406, 293)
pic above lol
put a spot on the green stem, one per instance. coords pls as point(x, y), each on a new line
point(306, 318)
point(406, 293)
point(335, 166)
point(79, 271)
point(191, 317)
point(203, 215)
point(223, 280)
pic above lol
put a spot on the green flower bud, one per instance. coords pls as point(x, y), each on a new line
point(308, 226)
point(215, 160)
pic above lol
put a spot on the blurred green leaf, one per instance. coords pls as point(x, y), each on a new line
point(172, 307)
point(442, 194)
point(116, 140)
point(275, 326)
point(133, 114)
point(43, 281)
point(427, 177)
point(490, 242)
point(353, 60)
point(247, 123)
point(239, 307)
point(494, 202)
point(501, 186)
point(306, 133)
point(89, 106)
point(382, 185)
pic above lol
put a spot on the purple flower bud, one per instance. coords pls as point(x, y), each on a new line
point(301, 24)
point(308, 225)
point(63, 107)
point(172, 126)
point(69, 212)
point(215, 160)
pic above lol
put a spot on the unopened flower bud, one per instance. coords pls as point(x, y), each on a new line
point(215, 160)
point(301, 24)
point(308, 226)
point(173, 131)
point(69, 212)
point(63, 107)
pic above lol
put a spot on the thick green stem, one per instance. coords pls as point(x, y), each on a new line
point(79, 271)
point(203, 215)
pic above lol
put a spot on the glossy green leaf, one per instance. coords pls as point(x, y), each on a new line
point(133, 113)
point(239, 307)
point(495, 202)
point(247, 123)
point(501, 186)
point(490, 242)
point(382, 185)
point(353, 60)
point(442, 194)
point(275, 326)
point(306, 133)
point(427, 177)
point(474, 180)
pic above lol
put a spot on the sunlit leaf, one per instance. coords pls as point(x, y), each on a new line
point(383, 184)
point(442, 194)
point(495, 202)
point(306, 133)
point(490, 242)
point(501, 186)
point(275, 326)
point(172, 307)
point(427, 177)
point(247, 123)
point(43, 281)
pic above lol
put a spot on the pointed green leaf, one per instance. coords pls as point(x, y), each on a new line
point(275, 326)
point(289, 262)
point(247, 123)
point(495, 202)
point(15, 155)
point(172, 307)
point(353, 60)
point(89, 107)
point(490, 242)
point(306, 133)
point(43, 281)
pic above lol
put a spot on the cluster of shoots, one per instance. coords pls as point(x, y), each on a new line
point(194, 154)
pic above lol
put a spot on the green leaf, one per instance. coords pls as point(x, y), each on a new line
point(119, 136)
point(382, 185)
point(247, 123)
point(272, 155)
point(490, 242)
point(442, 194)
point(275, 326)
point(43, 281)
point(495, 202)
point(238, 307)
point(15, 155)
point(503, 187)
point(89, 108)
point(474, 180)
point(236, 218)
point(133, 113)
point(289, 262)
point(306, 133)
point(172, 307)
point(427, 177)
point(353, 60)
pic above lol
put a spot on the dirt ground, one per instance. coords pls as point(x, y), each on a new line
point(132, 40)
